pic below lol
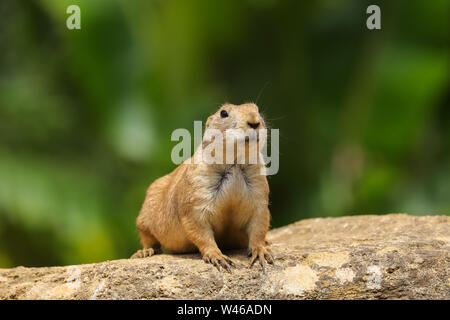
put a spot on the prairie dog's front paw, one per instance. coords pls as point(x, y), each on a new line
point(143, 253)
point(218, 259)
point(262, 254)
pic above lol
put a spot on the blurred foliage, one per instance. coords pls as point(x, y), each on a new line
point(86, 115)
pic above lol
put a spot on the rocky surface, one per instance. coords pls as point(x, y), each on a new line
point(363, 257)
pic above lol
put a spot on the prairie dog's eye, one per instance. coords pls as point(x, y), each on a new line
point(223, 114)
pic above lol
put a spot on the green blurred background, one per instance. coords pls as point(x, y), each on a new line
point(86, 115)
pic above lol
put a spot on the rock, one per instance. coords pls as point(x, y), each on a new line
point(393, 256)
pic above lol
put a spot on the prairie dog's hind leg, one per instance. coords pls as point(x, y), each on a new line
point(150, 245)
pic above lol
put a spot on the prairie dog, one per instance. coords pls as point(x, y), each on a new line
point(210, 206)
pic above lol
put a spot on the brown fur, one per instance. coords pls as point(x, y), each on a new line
point(204, 207)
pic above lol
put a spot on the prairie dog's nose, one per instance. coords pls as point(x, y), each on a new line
point(254, 125)
point(253, 120)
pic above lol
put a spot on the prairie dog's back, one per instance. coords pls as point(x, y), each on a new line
point(160, 211)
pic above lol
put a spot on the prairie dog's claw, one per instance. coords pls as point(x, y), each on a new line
point(262, 254)
point(143, 253)
point(219, 260)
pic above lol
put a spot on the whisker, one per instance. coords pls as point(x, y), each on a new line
point(261, 91)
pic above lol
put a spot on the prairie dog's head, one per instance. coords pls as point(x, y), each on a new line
point(237, 125)
point(229, 116)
